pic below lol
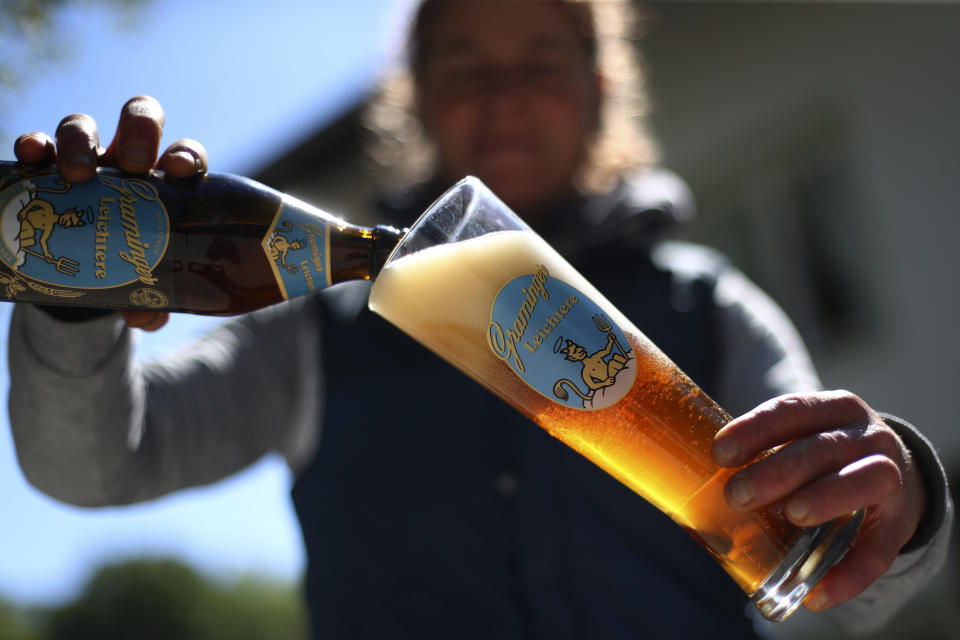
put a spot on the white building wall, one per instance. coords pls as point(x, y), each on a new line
point(747, 96)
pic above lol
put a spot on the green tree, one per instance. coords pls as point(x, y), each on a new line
point(31, 36)
point(16, 624)
point(164, 599)
point(29, 32)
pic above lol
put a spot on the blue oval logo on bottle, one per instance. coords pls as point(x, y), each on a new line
point(560, 342)
point(107, 232)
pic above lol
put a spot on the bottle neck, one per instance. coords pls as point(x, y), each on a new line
point(359, 253)
point(311, 249)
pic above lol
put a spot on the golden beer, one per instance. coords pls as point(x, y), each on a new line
point(656, 440)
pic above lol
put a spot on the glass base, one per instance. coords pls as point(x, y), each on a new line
point(805, 564)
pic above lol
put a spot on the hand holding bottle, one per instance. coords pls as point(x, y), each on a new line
point(134, 149)
point(89, 236)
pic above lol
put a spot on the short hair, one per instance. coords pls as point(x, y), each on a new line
point(402, 155)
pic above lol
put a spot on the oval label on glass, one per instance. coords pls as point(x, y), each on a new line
point(107, 232)
point(560, 342)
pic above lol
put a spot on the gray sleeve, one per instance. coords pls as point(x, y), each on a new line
point(763, 356)
point(93, 427)
point(761, 353)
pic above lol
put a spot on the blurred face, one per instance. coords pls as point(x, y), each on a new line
point(507, 94)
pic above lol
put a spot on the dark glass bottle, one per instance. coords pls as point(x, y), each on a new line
point(214, 245)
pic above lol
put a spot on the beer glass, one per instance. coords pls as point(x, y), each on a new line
point(474, 284)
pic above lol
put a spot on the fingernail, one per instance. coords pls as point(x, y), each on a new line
point(726, 449)
point(798, 509)
point(79, 159)
point(742, 491)
point(137, 154)
point(817, 601)
point(187, 157)
point(27, 136)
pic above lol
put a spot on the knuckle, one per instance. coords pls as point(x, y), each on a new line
point(831, 449)
point(844, 395)
point(803, 461)
point(793, 400)
point(887, 474)
point(887, 440)
point(790, 404)
point(850, 404)
point(781, 475)
point(808, 454)
point(790, 468)
point(847, 403)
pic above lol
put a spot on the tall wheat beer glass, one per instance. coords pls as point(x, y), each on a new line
point(474, 284)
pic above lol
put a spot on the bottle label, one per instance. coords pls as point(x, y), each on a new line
point(560, 342)
point(107, 232)
point(298, 246)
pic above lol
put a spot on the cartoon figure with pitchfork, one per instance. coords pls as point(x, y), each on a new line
point(599, 370)
point(34, 222)
point(40, 216)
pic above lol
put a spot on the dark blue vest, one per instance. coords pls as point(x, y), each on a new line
point(433, 510)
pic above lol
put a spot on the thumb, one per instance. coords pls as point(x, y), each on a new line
point(145, 320)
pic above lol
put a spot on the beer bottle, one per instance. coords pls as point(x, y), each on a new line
point(217, 244)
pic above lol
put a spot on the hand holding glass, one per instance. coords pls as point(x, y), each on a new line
point(474, 284)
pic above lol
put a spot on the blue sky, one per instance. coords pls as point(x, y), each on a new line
point(247, 79)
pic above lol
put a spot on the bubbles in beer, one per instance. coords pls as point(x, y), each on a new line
point(656, 440)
